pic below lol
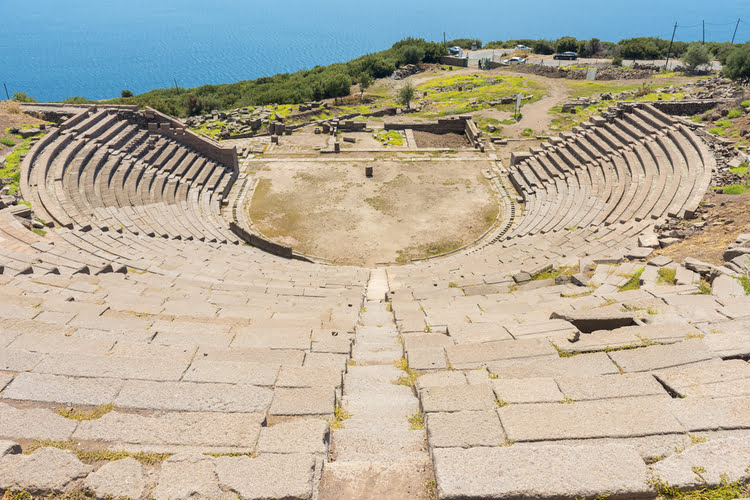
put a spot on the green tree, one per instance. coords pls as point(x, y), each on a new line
point(22, 97)
point(338, 85)
point(695, 56)
point(566, 44)
point(126, 93)
point(544, 47)
point(406, 94)
point(412, 54)
point(365, 82)
point(738, 64)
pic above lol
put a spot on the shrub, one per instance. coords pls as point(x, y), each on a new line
point(22, 97)
point(566, 44)
point(412, 54)
point(543, 47)
point(695, 56)
point(405, 94)
point(738, 63)
point(125, 93)
point(617, 61)
point(745, 104)
point(734, 189)
point(7, 141)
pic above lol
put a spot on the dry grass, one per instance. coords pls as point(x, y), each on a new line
point(10, 107)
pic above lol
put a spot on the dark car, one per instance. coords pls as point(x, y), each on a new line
point(567, 55)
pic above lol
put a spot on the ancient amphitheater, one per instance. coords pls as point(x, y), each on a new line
point(148, 352)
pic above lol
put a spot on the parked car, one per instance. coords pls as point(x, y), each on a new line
point(456, 51)
point(571, 56)
point(522, 47)
point(514, 60)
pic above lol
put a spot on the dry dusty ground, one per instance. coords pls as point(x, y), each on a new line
point(724, 223)
point(409, 209)
point(11, 119)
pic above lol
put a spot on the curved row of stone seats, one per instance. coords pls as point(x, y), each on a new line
point(638, 163)
point(104, 171)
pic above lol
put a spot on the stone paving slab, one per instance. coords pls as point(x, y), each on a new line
point(61, 389)
point(118, 479)
point(302, 402)
point(273, 338)
point(472, 355)
point(5, 378)
point(310, 376)
point(648, 447)
point(382, 441)
point(457, 398)
point(404, 478)
point(309, 436)
point(285, 357)
point(191, 396)
point(632, 417)
point(527, 390)
point(541, 471)
point(704, 414)
point(706, 463)
point(440, 378)
point(467, 333)
point(232, 372)
point(610, 386)
point(728, 339)
point(662, 356)
point(55, 343)
point(583, 365)
point(430, 358)
point(112, 367)
point(15, 360)
point(34, 423)
point(189, 429)
point(187, 476)
point(47, 470)
point(268, 476)
point(464, 429)
point(682, 379)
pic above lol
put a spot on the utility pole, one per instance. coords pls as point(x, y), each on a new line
point(175, 82)
point(6, 91)
point(735, 30)
point(444, 42)
point(704, 32)
point(669, 51)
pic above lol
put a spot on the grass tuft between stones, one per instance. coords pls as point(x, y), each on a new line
point(339, 416)
point(26, 495)
point(411, 376)
point(92, 456)
point(726, 490)
point(634, 281)
point(80, 415)
point(416, 421)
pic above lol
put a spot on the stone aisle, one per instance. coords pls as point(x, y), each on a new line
point(376, 454)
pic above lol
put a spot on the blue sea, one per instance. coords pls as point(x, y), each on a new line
point(53, 49)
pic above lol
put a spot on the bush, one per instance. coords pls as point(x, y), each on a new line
point(125, 93)
point(640, 48)
point(617, 61)
point(695, 56)
point(543, 47)
point(22, 97)
point(738, 63)
point(465, 43)
point(7, 141)
point(412, 54)
point(734, 189)
point(566, 44)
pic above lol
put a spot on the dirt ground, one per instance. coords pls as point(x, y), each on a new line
point(409, 209)
point(729, 218)
point(452, 141)
point(9, 119)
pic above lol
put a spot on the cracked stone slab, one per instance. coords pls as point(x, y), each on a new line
point(527, 390)
point(61, 389)
point(232, 372)
point(541, 471)
point(187, 476)
point(118, 479)
point(309, 436)
point(268, 476)
point(457, 398)
point(46, 470)
point(703, 414)
point(472, 355)
point(35, 423)
point(16, 360)
point(589, 419)
point(464, 429)
point(583, 365)
point(112, 367)
point(662, 356)
point(610, 386)
point(191, 396)
point(705, 463)
point(310, 376)
point(684, 380)
point(189, 429)
point(5, 378)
